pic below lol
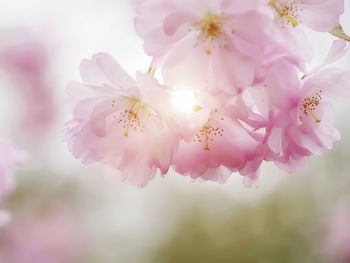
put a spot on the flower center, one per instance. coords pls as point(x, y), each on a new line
point(287, 9)
point(211, 28)
point(309, 106)
point(208, 132)
point(129, 117)
point(212, 25)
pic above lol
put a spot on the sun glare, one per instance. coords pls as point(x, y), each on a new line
point(183, 100)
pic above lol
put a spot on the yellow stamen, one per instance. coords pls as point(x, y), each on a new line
point(206, 140)
point(313, 115)
point(197, 108)
point(285, 10)
point(132, 113)
point(152, 70)
point(292, 21)
point(212, 25)
point(126, 132)
point(309, 106)
point(208, 132)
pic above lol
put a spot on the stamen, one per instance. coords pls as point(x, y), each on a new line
point(317, 120)
point(309, 106)
point(210, 46)
point(212, 28)
point(197, 108)
point(289, 10)
point(126, 132)
point(152, 70)
point(129, 117)
point(292, 21)
point(208, 132)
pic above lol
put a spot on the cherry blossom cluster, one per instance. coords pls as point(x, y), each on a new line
point(229, 88)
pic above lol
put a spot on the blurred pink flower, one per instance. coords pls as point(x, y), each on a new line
point(219, 42)
point(336, 242)
point(9, 159)
point(5, 217)
point(118, 121)
point(54, 237)
point(25, 57)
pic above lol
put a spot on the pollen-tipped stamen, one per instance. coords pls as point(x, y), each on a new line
point(126, 132)
point(208, 132)
point(309, 106)
point(132, 114)
point(313, 115)
point(211, 28)
point(283, 10)
point(206, 138)
point(152, 70)
point(212, 25)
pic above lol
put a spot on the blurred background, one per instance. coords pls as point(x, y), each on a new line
point(63, 211)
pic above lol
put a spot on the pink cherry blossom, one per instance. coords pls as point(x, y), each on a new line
point(314, 132)
point(25, 58)
point(216, 144)
point(320, 15)
point(219, 42)
point(296, 113)
point(118, 121)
